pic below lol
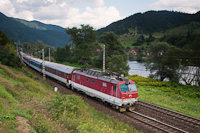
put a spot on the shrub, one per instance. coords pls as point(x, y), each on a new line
point(39, 125)
point(147, 81)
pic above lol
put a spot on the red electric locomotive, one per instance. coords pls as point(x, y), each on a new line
point(120, 92)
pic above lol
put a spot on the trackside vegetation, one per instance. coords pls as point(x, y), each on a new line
point(29, 105)
point(171, 95)
point(77, 116)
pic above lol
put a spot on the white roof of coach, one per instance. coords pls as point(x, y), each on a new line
point(36, 59)
point(60, 67)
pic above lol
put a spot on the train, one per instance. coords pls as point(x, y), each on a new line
point(110, 87)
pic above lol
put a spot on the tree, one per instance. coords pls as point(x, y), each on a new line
point(112, 43)
point(116, 58)
point(63, 54)
point(157, 57)
point(165, 61)
point(84, 39)
point(8, 53)
point(118, 63)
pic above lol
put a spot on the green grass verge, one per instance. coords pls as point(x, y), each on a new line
point(184, 99)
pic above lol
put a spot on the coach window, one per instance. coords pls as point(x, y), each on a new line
point(59, 73)
point(104, 84)
point(63, 75)
point(56, 72)
point(78, 77)
point(87, 79)
point(93, 81)
point(67, 76)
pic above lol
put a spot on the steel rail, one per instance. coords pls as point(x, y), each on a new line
point(152, 119)
point(187, 117)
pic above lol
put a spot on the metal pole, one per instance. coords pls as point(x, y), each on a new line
point(49, 55)
point(104, 58)
point(43, 66)
point(17, 50)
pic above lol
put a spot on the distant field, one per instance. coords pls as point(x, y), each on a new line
point(193, 28)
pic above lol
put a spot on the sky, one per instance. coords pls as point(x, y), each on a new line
point(96, 13)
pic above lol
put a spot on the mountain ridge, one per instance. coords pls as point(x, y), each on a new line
point(150, 21)
point(20, 31)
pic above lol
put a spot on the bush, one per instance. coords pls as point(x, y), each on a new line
point(39, 125)
point(147, 81)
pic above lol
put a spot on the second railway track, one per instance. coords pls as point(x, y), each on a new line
point(179, 120)
point(160, 126)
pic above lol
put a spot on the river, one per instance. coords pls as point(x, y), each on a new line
point(190, 74)
point(138, 68)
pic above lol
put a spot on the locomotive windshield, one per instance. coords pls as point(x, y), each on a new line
point(132, 87)
point(124, 88)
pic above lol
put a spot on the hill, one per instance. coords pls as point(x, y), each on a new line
point(151, 21)
point(21, 31)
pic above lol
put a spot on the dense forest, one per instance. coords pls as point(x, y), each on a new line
point(151, 21)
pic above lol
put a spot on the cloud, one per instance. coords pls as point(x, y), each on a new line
point(97, 17)
point(188, 6)
point(7, 7)
point(62, 12)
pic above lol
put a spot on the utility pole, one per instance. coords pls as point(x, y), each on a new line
point(17, 50)
point(49, 55)
point(22, 56)
point(104, 51)
point(43, 66)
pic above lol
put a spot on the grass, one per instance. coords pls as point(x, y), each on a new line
point(77, 116)
point(177, 102)
point(173, 96)
point(22, 95)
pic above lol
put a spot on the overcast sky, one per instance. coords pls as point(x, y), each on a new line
point(97, 13)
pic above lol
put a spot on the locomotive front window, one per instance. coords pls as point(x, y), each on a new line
point(132, 87)
point(124, 88)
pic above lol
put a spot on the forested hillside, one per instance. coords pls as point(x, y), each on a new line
point(151, 21)
point(24, 31)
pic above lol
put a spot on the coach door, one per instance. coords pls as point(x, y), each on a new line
point(114, 93)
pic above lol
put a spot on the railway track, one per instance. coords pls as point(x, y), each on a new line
point(161, 126)
point(177, 119)
point(146, 122)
